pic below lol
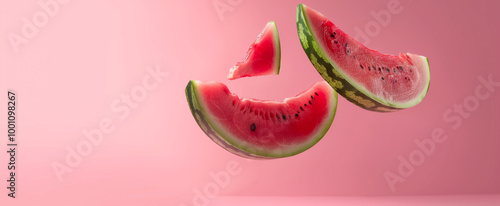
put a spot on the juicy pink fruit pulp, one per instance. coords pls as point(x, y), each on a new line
point(268, 124)
point(397, 78)
point(260, 58)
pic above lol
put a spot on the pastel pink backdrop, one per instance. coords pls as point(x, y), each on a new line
point(92, 52)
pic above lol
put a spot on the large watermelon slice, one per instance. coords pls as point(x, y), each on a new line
point(368, 78)
point(263, 55)
point(262, 129)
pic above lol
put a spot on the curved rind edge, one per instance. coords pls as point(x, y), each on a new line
point(277, 45)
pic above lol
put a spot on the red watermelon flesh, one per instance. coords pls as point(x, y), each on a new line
point(263, 56)
point(262, 128)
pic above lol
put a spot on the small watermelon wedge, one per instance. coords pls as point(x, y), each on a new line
point(263, 55)
point(262, 129)
point(367, 78)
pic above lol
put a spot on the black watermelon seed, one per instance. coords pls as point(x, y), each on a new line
point(395, 81)
point(253, 127)
point(345, 44)
point(369, 69)
point(331, 35)
point(336, 42)
point(382, 78)
point(402, 68)
point(361, 66)
point(316, 93)
point(312, 97)
point(394, 70)
point(305, 105)
point(301, 108)
point(379, 69)
point(334, 33)
point(284, 117)
point(296, 115)
point(388, 69)
point(309, 102)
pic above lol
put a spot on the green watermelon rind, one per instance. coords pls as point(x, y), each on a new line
point(219, 135)
point(277, 46)
point(327, 68)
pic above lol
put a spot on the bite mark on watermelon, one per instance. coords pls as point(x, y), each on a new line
point(369, 79)
point(263, 56)
point(261, 128)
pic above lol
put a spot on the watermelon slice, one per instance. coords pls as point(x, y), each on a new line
point(262, 129)
point(368, 78)
point(263, 56)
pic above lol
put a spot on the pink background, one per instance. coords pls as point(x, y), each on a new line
point(91, 53)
